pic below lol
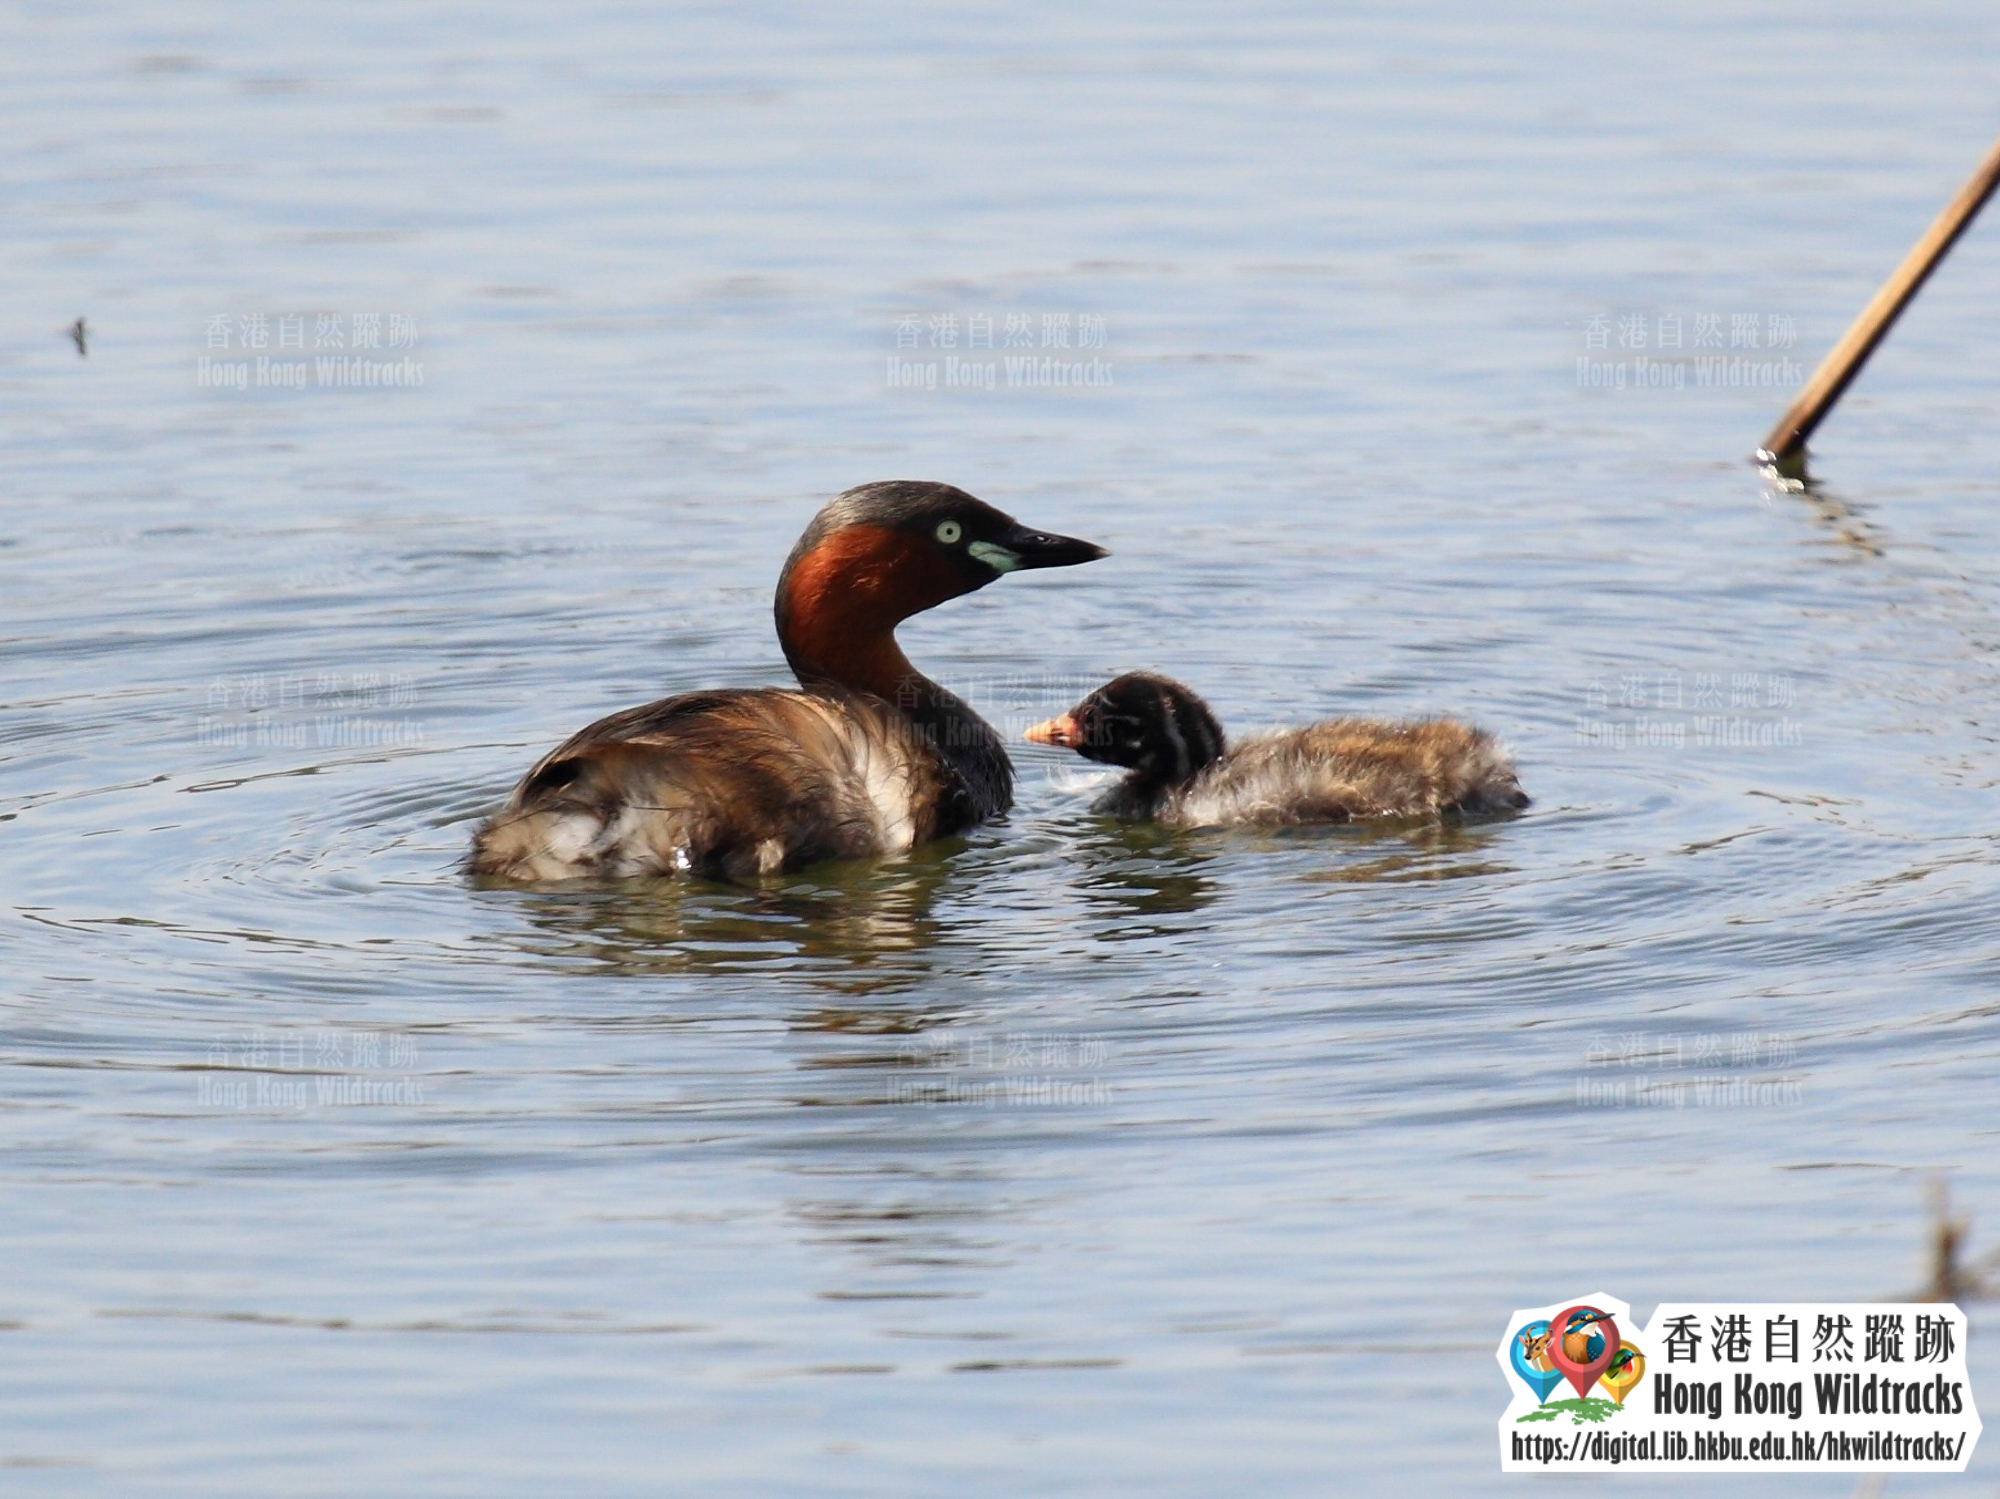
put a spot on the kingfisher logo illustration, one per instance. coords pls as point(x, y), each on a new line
point(1870, 1387)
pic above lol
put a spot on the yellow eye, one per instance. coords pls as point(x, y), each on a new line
point(949, 531)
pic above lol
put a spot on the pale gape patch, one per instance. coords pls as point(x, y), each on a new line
point(994, 556)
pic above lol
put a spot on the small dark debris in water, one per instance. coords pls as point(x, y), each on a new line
point(1001, 1366)
point(1949, 1278)
point(474, 114)
point(79, 333)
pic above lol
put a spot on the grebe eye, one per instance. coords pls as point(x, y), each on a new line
point(949, 531)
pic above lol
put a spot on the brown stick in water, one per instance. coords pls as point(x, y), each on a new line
point(1837, 371)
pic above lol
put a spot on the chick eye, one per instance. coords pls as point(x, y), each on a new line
point(949, 531)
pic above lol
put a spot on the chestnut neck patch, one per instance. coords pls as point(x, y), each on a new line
point(839, 605)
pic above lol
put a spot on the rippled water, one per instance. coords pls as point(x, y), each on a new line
point(1066, 1158)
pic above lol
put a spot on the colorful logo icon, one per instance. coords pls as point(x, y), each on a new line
point(1580, 1344)
point(1529, 1352)
point(1626, 1369)
point(1582, 1340)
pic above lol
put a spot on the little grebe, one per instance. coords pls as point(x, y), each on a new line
point(1184, 774)
point(869, 757)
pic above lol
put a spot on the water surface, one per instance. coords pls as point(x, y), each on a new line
point(1063, 1158)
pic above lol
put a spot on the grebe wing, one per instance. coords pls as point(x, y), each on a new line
point(731, 783)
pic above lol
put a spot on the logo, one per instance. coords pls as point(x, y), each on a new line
point(1580, 1344)
point(1867, 1387)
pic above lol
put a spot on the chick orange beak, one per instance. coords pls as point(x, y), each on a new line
point(1061, 732)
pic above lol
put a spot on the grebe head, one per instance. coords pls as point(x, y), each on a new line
point(1150, 724)
point(880, 553)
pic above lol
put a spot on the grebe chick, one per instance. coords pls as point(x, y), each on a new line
point(1184, 774)
point(868, 757)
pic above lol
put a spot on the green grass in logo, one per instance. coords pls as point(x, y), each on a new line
point(1587, 1409)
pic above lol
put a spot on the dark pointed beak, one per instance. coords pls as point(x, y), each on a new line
point(1031, 548)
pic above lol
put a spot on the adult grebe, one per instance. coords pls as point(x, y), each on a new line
point(868, 757)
